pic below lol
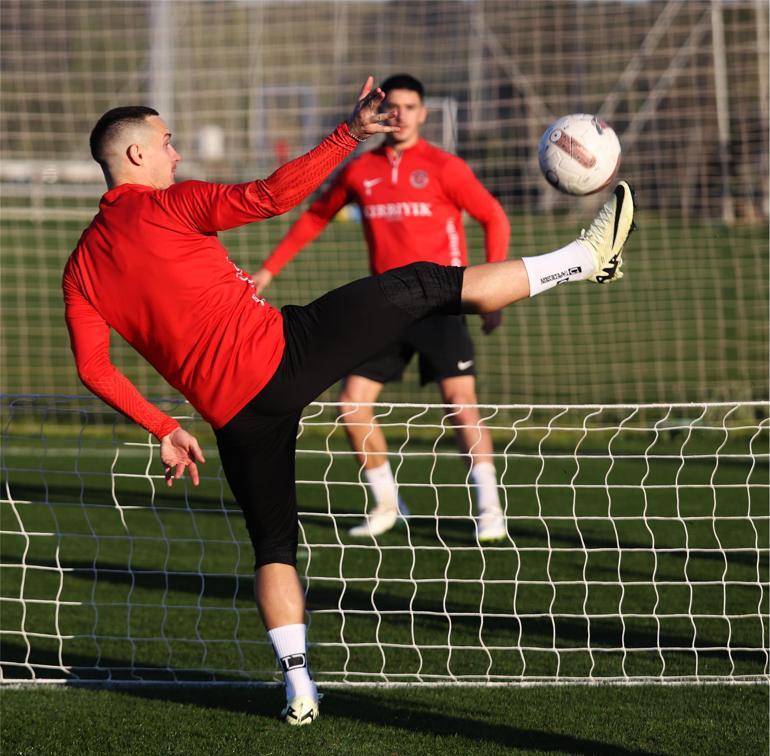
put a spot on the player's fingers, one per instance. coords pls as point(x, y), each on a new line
point(179, 470)
point(197, 454)
point(367, 88)
point(169, 477)
point(373, 100)
point(192, 469)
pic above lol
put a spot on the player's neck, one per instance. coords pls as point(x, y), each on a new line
point(399, 147)
point(126, 177)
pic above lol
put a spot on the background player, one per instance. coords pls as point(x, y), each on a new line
point(411, 196)
point(151, 267)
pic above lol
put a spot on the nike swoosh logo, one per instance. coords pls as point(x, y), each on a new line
point(369, 183)
point(464, 365)
point(620, 193)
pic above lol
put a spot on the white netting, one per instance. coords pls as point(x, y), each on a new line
point(245, 84)
point(637, 550)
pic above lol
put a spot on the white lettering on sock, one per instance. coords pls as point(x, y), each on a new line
point(570, 263)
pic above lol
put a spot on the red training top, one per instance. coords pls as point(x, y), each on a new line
point(150, 266)
point(411, 204)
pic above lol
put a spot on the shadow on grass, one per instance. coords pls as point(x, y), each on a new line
point(372, 708)
point(423, 530)
point(141, 497)
point(431, 611)
point(20, 664)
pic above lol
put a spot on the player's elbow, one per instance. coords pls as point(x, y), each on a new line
point(94, 372)
point(269, 203)
point(500, 219)
point(87, 377)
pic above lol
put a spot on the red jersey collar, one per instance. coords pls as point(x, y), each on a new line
point(112, 195)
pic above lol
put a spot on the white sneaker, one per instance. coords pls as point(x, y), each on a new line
point(608, 233)
point(380, 520)
point(300, 711)
point(490, 525)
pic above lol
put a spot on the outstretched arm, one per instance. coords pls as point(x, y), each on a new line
point(216, 207)
point(297, 179)
point(90, 341)
point(306, 228)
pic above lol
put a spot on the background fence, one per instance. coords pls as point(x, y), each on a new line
point(245, 85)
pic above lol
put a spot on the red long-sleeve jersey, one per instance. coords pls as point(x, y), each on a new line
point(151, 267)
point(411, 204)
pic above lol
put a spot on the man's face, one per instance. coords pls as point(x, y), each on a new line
point(410, 115)
point(158, 154)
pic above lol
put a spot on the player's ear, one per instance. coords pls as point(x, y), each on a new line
point(423, 115)
point(134, 154)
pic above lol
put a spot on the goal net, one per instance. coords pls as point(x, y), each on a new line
point(245, 85)
point(637, 550)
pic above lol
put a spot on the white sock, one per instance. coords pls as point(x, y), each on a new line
point(383, 486)
point(485, 481)
point(290, 646)
point(571, 263)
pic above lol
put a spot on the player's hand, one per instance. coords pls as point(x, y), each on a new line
point(262, 279)
point(179, 449)
point(366, 118)
point(490, 321)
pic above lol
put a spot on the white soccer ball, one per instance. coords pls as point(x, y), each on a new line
point(579, 154)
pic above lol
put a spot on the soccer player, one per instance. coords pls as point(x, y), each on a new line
point(151, 267)
point(411, 195)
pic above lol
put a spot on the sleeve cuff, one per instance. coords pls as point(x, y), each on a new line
point(271, 268)
point(344, 131)
point(167, 426)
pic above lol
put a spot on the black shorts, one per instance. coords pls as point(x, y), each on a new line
point(444, 347)
point(325, 341)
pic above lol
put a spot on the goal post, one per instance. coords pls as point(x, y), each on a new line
point(637, 551)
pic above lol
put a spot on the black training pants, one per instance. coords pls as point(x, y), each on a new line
point(325, 341)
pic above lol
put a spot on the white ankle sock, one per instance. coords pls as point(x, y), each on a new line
point(383, 486)
point(290, 646)
point(571, 263)
point(485, 481)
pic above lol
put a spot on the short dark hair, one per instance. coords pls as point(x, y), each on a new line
point(112, 123)
point(403, 81)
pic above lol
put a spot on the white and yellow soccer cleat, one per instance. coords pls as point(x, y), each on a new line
point(300, 711)
point(490, 525)
point(608, 233)
point(380, 520)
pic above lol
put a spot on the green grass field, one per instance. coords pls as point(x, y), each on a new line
point(572, 720)
point(168, 597)
point(643, 536)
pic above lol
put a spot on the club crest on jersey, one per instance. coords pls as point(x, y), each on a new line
point(418, 179)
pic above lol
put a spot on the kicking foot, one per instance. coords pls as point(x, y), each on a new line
point(380, 520)
point(608, 233)
point(490, 526)
point(300, 711)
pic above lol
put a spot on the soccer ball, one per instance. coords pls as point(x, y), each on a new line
point(579, 154)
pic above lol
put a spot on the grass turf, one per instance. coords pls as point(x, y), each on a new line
point(633, 720)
